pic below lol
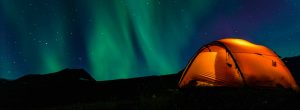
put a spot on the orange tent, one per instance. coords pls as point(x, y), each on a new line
point(234, 63)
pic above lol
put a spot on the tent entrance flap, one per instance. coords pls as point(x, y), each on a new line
point(204, 66)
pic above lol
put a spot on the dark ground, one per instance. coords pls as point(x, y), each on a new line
point(74, 89)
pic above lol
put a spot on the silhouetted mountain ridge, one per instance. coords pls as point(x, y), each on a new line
point(3, 80)
point(65, 75)
point(293, 63)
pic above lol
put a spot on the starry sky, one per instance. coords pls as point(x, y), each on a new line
point(113, 39)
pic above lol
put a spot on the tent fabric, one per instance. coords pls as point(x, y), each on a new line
point(235, 63)
point(243, 46)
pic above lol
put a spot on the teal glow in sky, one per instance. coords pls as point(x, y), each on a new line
point(114, 39)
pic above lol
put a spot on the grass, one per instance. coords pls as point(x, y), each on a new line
point(200, 98)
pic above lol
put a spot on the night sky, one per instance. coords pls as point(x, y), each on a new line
point(114, 39)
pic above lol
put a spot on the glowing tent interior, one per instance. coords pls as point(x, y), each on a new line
point(236, 62)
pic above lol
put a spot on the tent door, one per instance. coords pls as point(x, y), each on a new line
point(204, 66)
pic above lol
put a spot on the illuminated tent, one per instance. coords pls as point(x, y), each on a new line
point(235, 63)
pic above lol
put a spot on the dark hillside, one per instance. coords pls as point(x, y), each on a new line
point(293, 63)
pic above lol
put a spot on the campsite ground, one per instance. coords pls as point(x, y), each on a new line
point(203, 98)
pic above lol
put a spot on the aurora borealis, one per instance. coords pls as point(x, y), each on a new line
point(114, 39)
